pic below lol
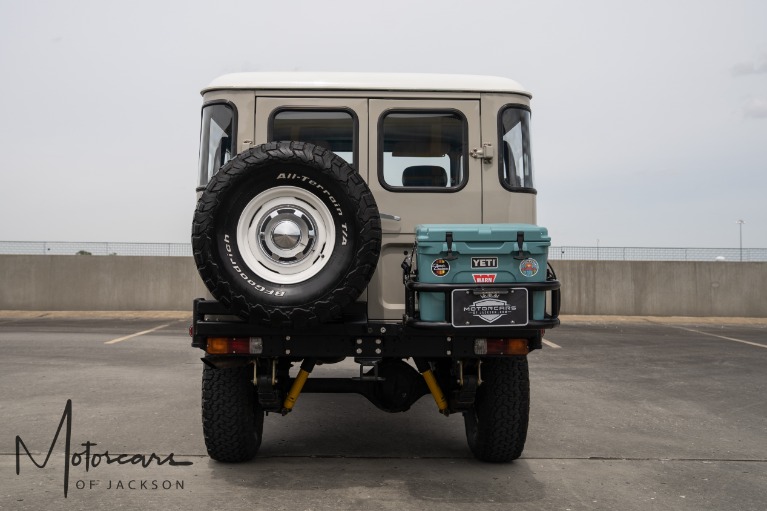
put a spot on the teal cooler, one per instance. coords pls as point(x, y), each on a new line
point(480, 254)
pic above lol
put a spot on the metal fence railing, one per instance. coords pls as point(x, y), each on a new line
point(94, 248)
point(555, 252)
point(657, 254)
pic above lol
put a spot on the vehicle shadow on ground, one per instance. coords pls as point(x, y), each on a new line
point(343, 445)
point(434, 480)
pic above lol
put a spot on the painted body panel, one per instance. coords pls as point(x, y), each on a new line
point(369, 96)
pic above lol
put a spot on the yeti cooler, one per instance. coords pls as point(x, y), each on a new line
point(482, 254)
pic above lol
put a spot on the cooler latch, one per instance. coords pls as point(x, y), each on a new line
point(520, 243)
point(449, 241)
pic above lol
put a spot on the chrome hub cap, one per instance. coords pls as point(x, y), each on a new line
point(286, 235)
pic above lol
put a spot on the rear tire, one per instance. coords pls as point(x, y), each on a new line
point(232, 420)
point(496, 427)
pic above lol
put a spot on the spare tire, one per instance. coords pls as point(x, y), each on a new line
point(286, 232)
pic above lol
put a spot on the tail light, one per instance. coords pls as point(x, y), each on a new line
point(235, 345)
point(500, 346)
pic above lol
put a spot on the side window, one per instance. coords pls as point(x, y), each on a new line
point(216, 139)
point(516, 163)
point(422, 150)
point(331, 129)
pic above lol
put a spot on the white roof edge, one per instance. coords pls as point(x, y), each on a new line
point(366, 81)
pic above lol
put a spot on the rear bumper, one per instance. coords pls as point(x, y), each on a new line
point(355, 336)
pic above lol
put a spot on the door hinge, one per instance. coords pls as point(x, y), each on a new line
point(486, 153)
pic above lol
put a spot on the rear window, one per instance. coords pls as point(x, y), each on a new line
point(331, 129)
point(216, 139)
point(516, 164)
point(422, 151)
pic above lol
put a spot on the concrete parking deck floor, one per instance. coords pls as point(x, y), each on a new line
point(627, 413)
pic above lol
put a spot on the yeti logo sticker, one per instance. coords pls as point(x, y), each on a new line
point(484, 262)
point(440, 267)
point(529, 267)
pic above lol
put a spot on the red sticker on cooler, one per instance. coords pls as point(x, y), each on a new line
point(484, 278)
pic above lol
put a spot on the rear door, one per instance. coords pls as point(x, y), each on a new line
point(419, 171)
point(508, 176)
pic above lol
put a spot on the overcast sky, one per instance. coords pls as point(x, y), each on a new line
point(649, 118)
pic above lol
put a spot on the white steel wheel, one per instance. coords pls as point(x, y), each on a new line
point(286, 235)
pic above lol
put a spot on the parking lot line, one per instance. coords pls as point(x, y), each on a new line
point(723, 337)
point(137, 334)
point(551, 344)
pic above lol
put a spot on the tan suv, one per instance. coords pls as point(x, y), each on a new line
point(384, 217)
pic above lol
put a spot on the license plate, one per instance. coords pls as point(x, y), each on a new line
point(489, 308)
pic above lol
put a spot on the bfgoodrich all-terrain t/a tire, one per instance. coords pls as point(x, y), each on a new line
point(232, 420)
point(496, 427)
point(286, 233)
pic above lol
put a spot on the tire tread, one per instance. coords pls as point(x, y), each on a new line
point(232, 421)
point(496, 428)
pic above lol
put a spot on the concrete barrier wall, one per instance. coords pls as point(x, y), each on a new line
point(661, 288)
point(82, 282)
point(638, 288)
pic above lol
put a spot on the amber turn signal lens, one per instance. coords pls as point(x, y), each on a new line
point(235, 345)
point(217, 345)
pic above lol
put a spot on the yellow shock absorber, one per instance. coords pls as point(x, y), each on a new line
point(436, 392)
point(298, 385)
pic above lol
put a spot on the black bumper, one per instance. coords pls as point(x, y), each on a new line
point(354, 335)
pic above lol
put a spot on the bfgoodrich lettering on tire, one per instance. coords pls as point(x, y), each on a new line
point(286, 232)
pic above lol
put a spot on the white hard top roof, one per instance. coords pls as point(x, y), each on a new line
point(366, 81)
